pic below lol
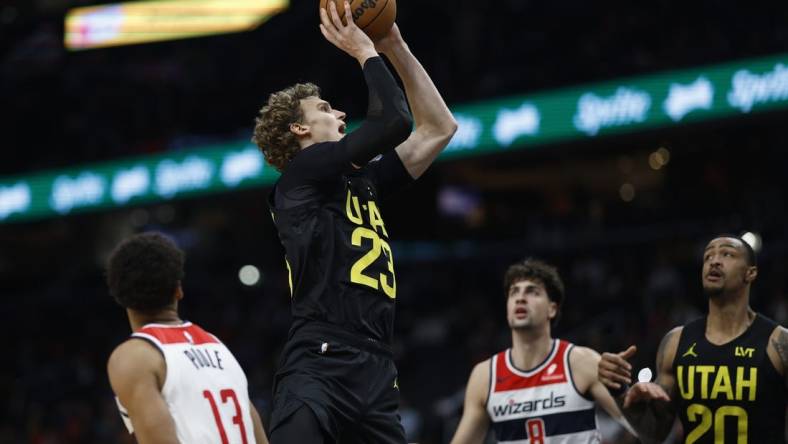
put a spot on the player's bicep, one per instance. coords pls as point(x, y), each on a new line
point(666, 354)
point(474, 421)
point(134, 371)
point(778, 351)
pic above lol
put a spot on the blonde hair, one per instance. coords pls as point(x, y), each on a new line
point(272, 127)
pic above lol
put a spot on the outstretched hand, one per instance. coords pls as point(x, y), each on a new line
point(614, 370)
point(347, 37)
point(645, 392)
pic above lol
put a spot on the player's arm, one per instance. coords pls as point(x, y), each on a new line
point(584, 363)
point(475, 421)
point(136, 373)
point(434, 123)
point(646, 405)
point(778, 351)
point(388, 121)
point(257, 425)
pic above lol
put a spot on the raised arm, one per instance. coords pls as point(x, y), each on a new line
point(136, 373)
point(434, 124)
point(646, 405)
point(475, 421)
point(388, 121)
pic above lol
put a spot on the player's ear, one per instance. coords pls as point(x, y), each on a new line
point(178, 292)
point(553, 310)
point(299, 129)
point(750, 274)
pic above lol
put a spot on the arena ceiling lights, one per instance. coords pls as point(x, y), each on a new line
point(586, 112)
point(158, 20)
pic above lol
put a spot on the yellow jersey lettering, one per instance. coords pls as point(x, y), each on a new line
point(702, 415)
point(704, 371)
point(722, 384)
point(741, 423)
point(686, 385)
point(374, 217)
point(751, 384)
point(353, 216)
point(744, 352)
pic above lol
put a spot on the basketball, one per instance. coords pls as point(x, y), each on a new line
point(374, 17)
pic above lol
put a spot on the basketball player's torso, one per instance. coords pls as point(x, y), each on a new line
point(339, 258)
point(541, 405)
point(729, 393)
point(205, 388)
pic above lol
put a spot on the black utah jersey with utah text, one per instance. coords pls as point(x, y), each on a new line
point(337, 247)
point(729, 393)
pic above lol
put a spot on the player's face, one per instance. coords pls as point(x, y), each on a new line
point(528, 306)
point(725, 267)
point(323, 123)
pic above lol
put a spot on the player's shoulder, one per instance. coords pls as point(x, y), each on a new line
point(671, 339)
point(582, 354)
point(481, 371)
point(779, 337)
point(134, 355)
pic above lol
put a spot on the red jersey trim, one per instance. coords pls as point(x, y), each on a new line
point(186, 333)
point(552, 371)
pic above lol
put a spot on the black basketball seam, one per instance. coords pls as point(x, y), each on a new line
point(383, 8)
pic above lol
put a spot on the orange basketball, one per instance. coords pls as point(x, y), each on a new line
point(374, 17)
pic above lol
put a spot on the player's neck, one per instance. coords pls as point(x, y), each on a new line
point(530, 347)
point(728, 318)
point(168, 316)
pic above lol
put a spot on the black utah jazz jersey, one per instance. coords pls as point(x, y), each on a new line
point(731, 393)
point(336, 245)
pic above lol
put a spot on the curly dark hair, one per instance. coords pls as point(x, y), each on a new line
point(272, 128)
point(539, 271)
point(144, 271)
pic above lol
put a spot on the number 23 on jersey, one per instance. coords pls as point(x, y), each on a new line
point(354, 213)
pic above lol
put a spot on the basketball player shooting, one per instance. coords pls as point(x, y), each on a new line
point(336, 381)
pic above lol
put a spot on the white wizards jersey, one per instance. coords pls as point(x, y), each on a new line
point(542, 405)
point(205, 387)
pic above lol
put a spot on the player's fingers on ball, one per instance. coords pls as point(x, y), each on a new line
point(335, 16)
point(348, 17)
point(325, 21)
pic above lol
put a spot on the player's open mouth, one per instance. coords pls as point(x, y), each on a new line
point(520, 312)
point(714, 275)
point(342, 128)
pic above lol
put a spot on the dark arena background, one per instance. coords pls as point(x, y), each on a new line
point(613, 140)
